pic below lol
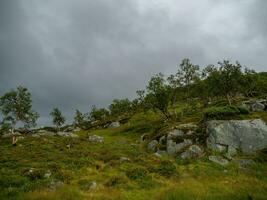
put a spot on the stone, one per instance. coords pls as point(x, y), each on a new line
point(219, 160)
point(55, 184)
point(43, 133)
point(248, 136)
point(192, 152)
point(188, 126)
point(114, 124)
point(244, 163)
point(67, 134)
point(174, 134)
point(152, 146)
point(96, 138)
point(257, 107)
point(124, 159)
point(93, 185)
point(47, 174)
point(173, 147)
point(157, 154)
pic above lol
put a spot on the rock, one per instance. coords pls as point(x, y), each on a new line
point(47, 174)
point(93, 186)
point(124, 159)
point(152, 146)
point(248, 136)
point(77, 129)
point(66, 134)
point(43, 133)
point(173, 147)
point(219, 160)
point(192, 152)
point(114, 124)
point(55, 184)
point(157, 154)
point(174, 134)
point(96, 138)
point(244, 163)
point(188, 126)
point(257, 107)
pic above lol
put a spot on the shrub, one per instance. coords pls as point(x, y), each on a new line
point(137, 173)
point(166, 168)
point(116, 181)
point(223, 112)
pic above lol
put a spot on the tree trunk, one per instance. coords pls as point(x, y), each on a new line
point(229, 99)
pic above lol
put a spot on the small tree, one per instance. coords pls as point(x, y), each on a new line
point(78, 119)
point(158, 94)
point(16, 105)
point(58, 118)
point(98, 113)
point(230, 79)
point(187, 74)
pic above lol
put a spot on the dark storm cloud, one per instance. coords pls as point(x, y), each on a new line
point(74, 54)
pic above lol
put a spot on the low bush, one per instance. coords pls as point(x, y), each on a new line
point(224, 112)
point(166, 168)
point(136, 173)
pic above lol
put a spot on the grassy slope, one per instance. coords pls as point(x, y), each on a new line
point(144, 177)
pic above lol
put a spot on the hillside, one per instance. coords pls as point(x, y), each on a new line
point(54, 167)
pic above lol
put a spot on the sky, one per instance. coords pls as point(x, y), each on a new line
point(73, 54)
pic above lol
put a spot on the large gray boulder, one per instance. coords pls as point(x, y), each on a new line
point(227, 136)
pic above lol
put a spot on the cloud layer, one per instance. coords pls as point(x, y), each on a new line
point(74, 54)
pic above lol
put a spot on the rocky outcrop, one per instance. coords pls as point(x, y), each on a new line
point(256, 105)
point(248, 136)
point(193, 151)
point(114, 125)
point(96, 139)
point(152, 146)
point(219, 160)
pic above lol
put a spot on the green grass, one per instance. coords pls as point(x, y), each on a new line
point(144, 177)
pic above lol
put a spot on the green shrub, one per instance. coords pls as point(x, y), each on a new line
point(166, 168)
point(137, 173)
point(116, 181)
point(223, 112)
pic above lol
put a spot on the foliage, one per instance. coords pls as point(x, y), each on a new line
point(58, 118)
point(98, 113)
point(158, 94)
point(78, 119)
point(120, 107)
point(224, 112)
point(16, 105)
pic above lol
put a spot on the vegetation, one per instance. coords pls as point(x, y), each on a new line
point(16, 106)
point(60, 168)
point(58, 118)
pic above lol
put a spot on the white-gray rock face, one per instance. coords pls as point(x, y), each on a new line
point(66, 134)
point(257, 107)
point(152, 146)
point(96, 138)
point(192, 152)
point(219, 160)
point(247, 136)
point(114, 125)
point(173, 147)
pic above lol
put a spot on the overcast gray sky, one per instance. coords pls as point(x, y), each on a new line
point(77, 53)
